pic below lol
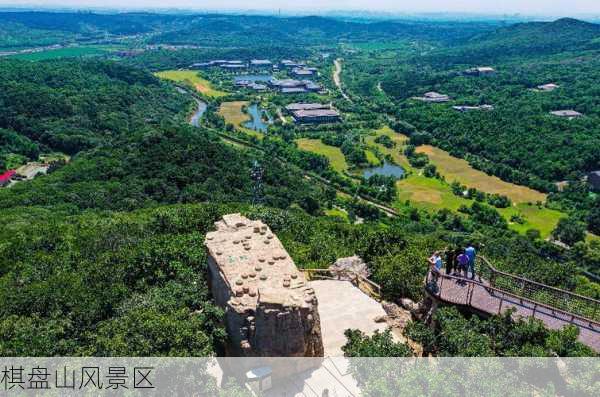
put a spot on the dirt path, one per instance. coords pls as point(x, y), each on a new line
point(336, 78)
point(280, 115)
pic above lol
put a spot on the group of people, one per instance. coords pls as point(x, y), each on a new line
point(458, 261)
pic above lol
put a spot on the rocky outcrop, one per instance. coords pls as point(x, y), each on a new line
point(348, 268)
point(270, 311)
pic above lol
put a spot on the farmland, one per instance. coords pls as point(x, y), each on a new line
point(192, 79)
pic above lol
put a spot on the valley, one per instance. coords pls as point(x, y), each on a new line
point(385, 140)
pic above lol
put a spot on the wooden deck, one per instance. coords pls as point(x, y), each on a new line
point(481, 296)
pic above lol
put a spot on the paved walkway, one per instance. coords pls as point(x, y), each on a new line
point(343, 306)
point(458, 291)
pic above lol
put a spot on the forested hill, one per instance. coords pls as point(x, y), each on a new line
point(312, 30)
point(531, 39)
point(87, 22)
point(71, 106)
point(133, 145)
point(43, 28)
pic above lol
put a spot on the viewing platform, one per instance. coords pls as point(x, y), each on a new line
point(497, 291)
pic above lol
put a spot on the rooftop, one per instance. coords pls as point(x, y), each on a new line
point(7, 175)
point(465, 108)
point(434, 95)
point(303, 72)
point(317, 113)
point(293, 90)
point(566, 113)
point(548, 87)
point(287, 83)
point(255, 264)
point(307, 106)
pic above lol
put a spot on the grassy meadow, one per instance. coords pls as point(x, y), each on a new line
point(453, 168)
point(334, 154)
point(192, 79)
point(433, 194)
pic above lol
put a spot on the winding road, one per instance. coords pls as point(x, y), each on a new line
point(337, 80)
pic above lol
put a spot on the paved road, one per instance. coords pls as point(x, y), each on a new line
point(337, 80)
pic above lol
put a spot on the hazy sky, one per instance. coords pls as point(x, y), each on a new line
point(553, 7)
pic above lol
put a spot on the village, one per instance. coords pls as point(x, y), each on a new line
point(31, 169)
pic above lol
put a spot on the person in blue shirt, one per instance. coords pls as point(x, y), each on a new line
point(436, 261)
point(471, 253)
point(435, 264)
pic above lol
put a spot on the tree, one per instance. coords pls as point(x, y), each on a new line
point(569, 231)
point(593, 218)
point(430, 171)
point(380, 344)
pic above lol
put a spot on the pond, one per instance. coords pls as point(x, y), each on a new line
point(387, 169)
point(253, 77)
point(195, 120)
point(257, 123)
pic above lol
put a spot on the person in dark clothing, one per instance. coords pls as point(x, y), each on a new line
point(450, 260)
point(457, 268)
point(463, 262)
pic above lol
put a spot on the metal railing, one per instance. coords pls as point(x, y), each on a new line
point(511, 290)
point(367, 286)
point(557, 298)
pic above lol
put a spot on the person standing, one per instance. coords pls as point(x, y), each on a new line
point(436, 261)
point(471, 253)
point(450, 260)
point(435, 265)
point(457, 267)
point(463, 262)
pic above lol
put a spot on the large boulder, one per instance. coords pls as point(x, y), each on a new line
point(348, 268)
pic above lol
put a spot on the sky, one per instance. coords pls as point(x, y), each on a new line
point(529, 7)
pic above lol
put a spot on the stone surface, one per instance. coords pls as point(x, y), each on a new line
point(347, 268)
point(397, 317)
point(343, 306)
point(270, 311)
point(409, 304)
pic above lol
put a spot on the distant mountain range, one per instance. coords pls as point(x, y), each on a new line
point(210, 29)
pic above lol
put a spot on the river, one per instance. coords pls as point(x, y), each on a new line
point(197, 116)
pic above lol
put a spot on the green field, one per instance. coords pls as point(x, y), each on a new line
point(192, 79)
point(397, 151)
point(337, 212)
point(453, 168)
point(433, 194)
point(70, 52)
point(334, 154)
point(372, 158)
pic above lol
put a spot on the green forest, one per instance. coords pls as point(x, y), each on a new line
point(104, 256)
